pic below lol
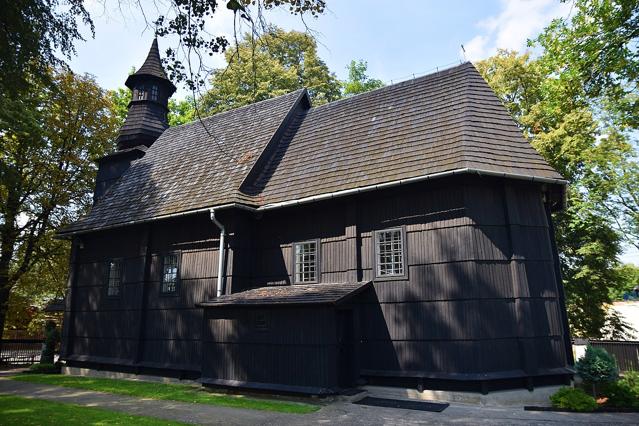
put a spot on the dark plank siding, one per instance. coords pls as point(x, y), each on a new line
point(480, 292)
point(142, 326)
point(293, 347)
point(480, 297)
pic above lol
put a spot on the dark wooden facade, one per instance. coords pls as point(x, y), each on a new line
point(480, 303)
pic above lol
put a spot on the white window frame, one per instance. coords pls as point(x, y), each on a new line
point(296, 278)
point(170, 287)
point(402, 271)
point(114, 281)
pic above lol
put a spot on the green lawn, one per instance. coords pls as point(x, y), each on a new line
point(183, 393)
point(24, 412)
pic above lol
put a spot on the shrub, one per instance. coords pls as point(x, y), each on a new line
point(597, 366)
point(45, 368)
point(573, 399)
point(620, 394)
point(631, 378)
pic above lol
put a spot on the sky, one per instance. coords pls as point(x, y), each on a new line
point(399, 39)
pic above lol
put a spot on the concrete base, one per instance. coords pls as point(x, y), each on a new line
point(508, 398)
point(89, 372)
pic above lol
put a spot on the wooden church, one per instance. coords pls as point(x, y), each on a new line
point(400, 237)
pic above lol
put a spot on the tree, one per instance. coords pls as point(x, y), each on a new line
point(554, 112)
point(597, 367)
point(628, 279)
point(598, 42)
point(277, 63)
point(32, 33)
point(52, 136)
point(597, 46)
point(358, 81)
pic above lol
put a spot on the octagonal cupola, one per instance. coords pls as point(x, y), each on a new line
point(147, 116)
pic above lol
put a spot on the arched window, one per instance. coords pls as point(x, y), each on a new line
point(155, 93)
point(141, 93)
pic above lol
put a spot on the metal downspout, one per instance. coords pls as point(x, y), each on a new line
point(221, 253)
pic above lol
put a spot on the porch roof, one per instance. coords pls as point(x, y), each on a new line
point(298, 294)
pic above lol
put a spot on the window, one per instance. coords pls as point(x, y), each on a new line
point(389, 252)
point(169, 273)
point(114, 277)
point(306, 262)
point(154, 93)
point(141, 94)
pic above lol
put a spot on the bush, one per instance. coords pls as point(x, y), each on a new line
point(44, 369)
point(597, 366)
point(573, 399)
point(631, 378)
point(621, 395)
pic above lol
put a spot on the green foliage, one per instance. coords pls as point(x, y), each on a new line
point(171, 392)
point(553, 109)
point(620, 394)
point(597, 366)
point(119, 99)
point(277, 63)
point(50, 137)
point(44, 368)
point(573, 399)
point(628, 275)
point(180, 111)
point(596, 47)
point(598, 44)
point(32, 34)
point(358, 81)
point(15, 410)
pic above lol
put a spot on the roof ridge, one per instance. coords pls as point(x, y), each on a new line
point(240, 108)
point(411, 81)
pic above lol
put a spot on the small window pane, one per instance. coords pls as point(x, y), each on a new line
point(306, 262)
point(141, 93)
point(390, 252)
point(114, 278)
point(154, 93)
point(169, 273)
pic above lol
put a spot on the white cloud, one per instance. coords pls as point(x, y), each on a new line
point(518, 21)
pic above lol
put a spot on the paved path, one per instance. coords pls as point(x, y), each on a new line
point(338, 412)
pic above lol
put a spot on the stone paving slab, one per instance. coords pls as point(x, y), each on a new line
point(333, 413)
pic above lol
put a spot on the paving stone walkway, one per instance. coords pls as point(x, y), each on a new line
point(333, 413)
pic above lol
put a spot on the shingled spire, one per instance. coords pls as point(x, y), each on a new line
point(147, 116)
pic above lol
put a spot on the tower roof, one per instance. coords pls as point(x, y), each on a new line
point(152, 67)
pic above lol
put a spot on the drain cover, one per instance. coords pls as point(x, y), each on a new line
point(401, 403)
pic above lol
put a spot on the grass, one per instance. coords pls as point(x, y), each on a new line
point(164, 391)
point(25, 412)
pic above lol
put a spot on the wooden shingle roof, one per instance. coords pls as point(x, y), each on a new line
point(281, 150)
point(324, 294)
point(450, 120)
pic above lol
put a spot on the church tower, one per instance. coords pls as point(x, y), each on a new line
point(149, 106)
point(145, 121)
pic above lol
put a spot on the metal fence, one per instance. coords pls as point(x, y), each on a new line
point(626, 352)
point(20, 351)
